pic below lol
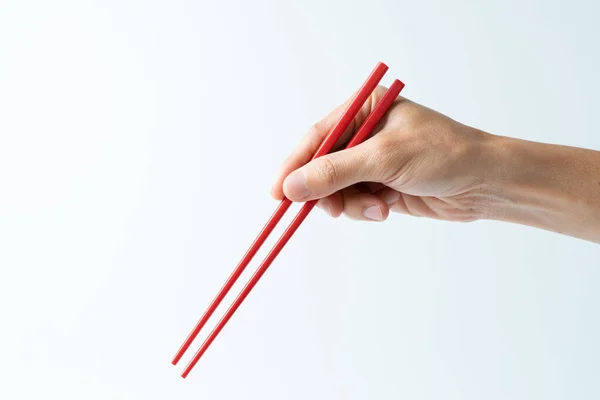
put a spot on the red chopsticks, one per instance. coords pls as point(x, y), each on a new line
point(366, 128)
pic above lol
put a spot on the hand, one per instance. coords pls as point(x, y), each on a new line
point(418, 162)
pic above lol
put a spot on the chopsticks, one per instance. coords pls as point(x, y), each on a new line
point(340, 127)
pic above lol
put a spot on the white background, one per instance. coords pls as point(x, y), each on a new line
point(138, 141)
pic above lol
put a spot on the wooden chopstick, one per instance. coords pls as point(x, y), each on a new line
point(362, 134)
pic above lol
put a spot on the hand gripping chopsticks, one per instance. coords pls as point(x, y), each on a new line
point(340, 127)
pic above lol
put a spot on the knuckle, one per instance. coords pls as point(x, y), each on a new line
point(314, 129)
point(318, 129)
point(327, 171)
point(315, 134)
point(313, 141)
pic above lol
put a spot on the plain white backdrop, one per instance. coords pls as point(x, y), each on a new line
point(138, 141)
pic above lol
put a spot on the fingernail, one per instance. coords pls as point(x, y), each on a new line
point(391, 197)
point(296, 186)
point(373, 212)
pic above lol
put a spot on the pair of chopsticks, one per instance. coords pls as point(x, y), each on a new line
point(337, 131)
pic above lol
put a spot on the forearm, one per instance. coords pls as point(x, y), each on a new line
point(552, 187)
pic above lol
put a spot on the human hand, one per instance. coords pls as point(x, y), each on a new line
point(417, 162)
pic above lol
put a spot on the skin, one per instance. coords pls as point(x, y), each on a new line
point(422, 163)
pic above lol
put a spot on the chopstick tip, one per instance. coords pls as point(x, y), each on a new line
point(177, 357)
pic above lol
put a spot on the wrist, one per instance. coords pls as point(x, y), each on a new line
point(539, 185)
point(517, 181)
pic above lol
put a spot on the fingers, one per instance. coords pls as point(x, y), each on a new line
point(376, 206)
point(331, 173)
point(315, 136)
point(390, 196)
point(307, 147)
point(365, 207)
point(355, 205)
point(405, 203)
point(416, 206)
point(332, 205)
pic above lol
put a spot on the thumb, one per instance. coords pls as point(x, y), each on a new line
point(330, 173)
